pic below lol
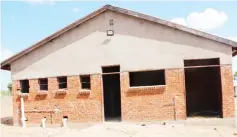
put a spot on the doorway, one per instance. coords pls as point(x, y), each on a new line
point(203, 88)
point(111, 93)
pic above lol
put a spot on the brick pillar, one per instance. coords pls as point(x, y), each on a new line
point(16, 103)
point(175, 86)
point(124, 84)
point(73, 83)
point(227, 91)
point(34, 88)
point(73, 87)
point(96, 98)
point(52, 84)
point(56, 100)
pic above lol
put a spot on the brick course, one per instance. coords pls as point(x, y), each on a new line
point(227, 91)
point(137, 103)
point(155, 102)
point(78, 107)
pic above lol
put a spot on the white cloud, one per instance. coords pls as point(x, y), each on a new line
point(5, 76)
point(180, 21)
point(206, 20)
point(233, 38)
point(75, 9)
point(40, 2)
point(5, 53)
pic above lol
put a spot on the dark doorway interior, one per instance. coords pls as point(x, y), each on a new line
point(112, 99)
point(203, 88)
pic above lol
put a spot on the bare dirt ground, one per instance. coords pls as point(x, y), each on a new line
point(6, 110)
point(109, 129)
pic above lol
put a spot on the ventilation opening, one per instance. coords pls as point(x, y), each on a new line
point(203, 88)
point(24, 86)
point(201, 62)
point(111, 69)
point(147, 78)
point(43, 84)
point(111, 94)
point(85, 82)
point(62, 82)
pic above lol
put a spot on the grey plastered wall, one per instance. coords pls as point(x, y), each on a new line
point(136, 45)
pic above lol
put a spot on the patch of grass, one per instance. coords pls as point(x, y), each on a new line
point(5, 93)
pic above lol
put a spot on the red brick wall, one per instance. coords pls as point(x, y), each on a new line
point(79, 107)
point(138, 104)
point(227, 91)
point(16, 103)
point(154, 103)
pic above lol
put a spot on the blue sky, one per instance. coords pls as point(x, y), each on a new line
point(27, 22)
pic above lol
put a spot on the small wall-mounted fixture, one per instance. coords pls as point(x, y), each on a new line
point(111, 22)
point(110, 32)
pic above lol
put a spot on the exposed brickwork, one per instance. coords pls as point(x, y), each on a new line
point(137, 103)
point(16, 103)
point(154, 103)
point(227, 91)
point(78, 107)
point(176, 88)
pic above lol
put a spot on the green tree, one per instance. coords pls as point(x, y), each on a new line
point(9, 86)
point(235, 75)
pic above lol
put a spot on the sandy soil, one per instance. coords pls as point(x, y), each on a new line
point(6, 110)
point(109, 129)
point(121, 130)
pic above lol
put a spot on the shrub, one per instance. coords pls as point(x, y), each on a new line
point(9, 86)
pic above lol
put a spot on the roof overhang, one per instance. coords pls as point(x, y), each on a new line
point(6, 65)
point(234, 51)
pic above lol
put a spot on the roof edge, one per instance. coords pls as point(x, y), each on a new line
point(174, 25)
point(6, 63)
point(234, 51)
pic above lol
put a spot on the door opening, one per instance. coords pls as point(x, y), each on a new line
point(111, 94)
point(203, 88)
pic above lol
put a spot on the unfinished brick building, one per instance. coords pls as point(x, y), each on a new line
point(117, 63)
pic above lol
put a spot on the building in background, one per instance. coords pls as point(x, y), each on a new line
point(123, 65)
